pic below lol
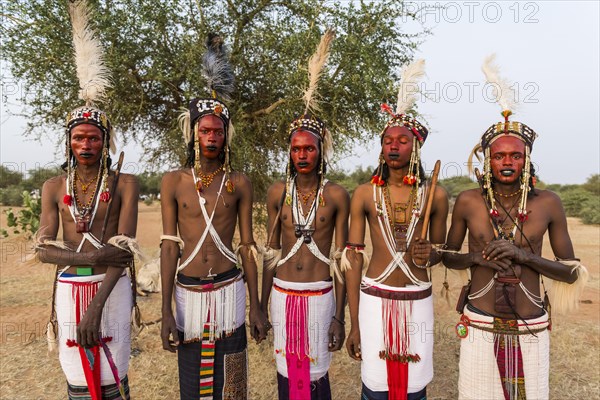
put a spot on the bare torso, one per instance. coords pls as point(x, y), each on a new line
point(191, 223)
point(480, 232)
point(303, 266)
point(381, 256)
point(55, 188)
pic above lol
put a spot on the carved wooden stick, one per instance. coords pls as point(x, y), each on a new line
point(434, 179)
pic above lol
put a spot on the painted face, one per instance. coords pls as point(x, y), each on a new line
point(86, 144)
point(304, 150)
point(212, 136)
point(397, 146)
point(507, 159)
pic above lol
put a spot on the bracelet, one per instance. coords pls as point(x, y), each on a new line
point(355, 246)
point(421, 266)
point(338, 320)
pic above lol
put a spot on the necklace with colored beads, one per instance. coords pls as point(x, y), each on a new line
point(397, 218)
point(204, 180)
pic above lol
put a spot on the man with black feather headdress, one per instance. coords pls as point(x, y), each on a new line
point(202, 202)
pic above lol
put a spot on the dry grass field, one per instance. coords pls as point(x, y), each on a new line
point(27, 372)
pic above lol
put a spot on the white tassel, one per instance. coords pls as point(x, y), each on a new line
point(51, 336)
point(336, 258)
point(409, 84)
point(270, 257)
point(183, 120)
point(345, 264)
point(564, 296)
point(127, 243)
point(148, 277)
point(503, 94)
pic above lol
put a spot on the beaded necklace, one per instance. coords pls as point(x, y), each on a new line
point(204, 180)
point(399, 228)
point(306, 197)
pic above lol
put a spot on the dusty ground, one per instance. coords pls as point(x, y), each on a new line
point(27, 372)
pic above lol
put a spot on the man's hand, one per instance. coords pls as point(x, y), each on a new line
point(353, 344)
point(88, 330)
point(337, 334)
point(112, 256)
point(500, 265)
point(503, 249)
point(420, 251)
point(168, 333)
point(259, 324)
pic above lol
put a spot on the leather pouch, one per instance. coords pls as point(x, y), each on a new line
point(463, 298)
point(505, 294)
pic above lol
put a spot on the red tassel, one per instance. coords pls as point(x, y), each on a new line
point(199, 185)
point(409, 180)
point(105, 196)
point(387, 109)
point(494, 213)
point(68, 199)
point(523, 217)
point(375, 180)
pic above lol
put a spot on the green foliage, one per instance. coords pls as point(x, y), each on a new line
point(457, 184)
point(27, 220)
point(149, 200)
point(150, 183)
point(593, 184)
point(12, 196)
point(352, 180)
point(575, 200)
point(9, 177)
point(590, 213)
point(154, 47)
point(38, 176)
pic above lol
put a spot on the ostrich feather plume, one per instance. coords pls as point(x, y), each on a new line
point(503, 94)
point(92, 73)
point(409, 84)
point(217, 70)
point(315, 68)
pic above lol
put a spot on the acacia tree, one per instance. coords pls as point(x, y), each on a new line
point(154, 48)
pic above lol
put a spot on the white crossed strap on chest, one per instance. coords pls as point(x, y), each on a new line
point(86, 236)
point(209, 229)
point(306, 222)
point(388, 236)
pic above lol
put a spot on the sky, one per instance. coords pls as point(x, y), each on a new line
point(548, 49)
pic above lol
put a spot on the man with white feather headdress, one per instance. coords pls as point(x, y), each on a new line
point(505, 316)
point(391, 306)
point(305, 213)
point(199, 267)
point(92, 298)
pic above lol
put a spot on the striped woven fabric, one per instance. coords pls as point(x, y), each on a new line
point(207, 365)
point(109, 392)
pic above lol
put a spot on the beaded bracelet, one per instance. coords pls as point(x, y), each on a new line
point(421, 266)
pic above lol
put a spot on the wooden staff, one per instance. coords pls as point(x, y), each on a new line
point(434, 179)
point(112, 195)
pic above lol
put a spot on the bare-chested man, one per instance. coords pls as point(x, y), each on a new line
point(93, 300)
point(305, 212)
point(202, 203)
point(391, 307)
point(505, 346)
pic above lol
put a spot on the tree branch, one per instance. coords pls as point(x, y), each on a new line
point(269, 109)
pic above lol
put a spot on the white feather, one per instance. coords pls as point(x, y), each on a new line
point(315, 68)
point(409, 85)
point(503, 94)
point(92, 73)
